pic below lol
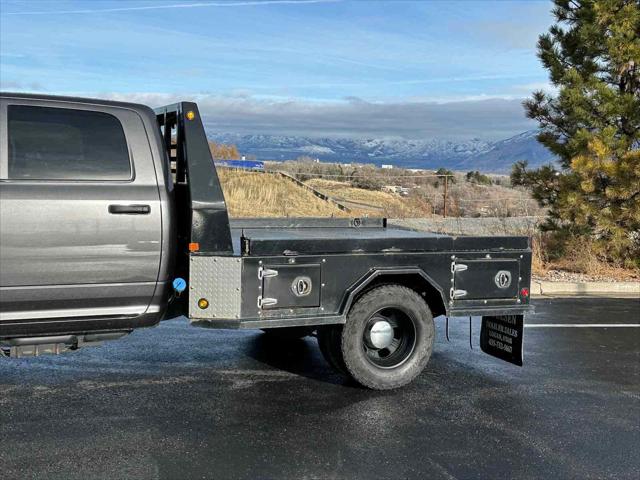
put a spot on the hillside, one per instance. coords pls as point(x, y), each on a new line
point(251, 194)
point(473, 154)
point(374, 203)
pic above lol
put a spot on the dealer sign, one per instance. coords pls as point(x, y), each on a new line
point(501, 337)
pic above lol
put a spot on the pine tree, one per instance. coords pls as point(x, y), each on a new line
point(592, 124)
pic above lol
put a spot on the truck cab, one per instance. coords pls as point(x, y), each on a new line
point(87, 235)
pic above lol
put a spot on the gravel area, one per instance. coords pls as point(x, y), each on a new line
point(564, 276)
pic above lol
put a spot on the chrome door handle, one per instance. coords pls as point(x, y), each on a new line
point(129, 209)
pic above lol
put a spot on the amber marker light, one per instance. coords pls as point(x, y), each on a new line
point(190, 115)
point(194, 246)
point(203, 303)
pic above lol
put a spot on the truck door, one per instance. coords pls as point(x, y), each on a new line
point(80, 220)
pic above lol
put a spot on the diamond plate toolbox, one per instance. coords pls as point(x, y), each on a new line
point(218, 280)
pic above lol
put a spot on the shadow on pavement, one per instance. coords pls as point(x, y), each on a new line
point(298, 356)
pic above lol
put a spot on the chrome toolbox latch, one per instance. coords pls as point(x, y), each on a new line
point(266, 272)
point(458, 267)
point(266, 302)
point(454, 294)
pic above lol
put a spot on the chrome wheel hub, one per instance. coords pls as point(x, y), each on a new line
point(381, 334)
point(389, 337)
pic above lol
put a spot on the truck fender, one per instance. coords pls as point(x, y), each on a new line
point(412, 277)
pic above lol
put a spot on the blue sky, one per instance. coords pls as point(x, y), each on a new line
point(389, 68)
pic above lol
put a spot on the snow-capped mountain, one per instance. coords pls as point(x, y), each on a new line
point(504, 153)
point(473, 154)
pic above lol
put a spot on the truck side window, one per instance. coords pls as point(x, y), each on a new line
point(65, 144)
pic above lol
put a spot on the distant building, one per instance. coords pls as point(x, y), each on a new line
point(241, 164)
point(386, 167)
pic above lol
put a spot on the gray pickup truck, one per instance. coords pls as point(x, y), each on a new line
point(112, 218)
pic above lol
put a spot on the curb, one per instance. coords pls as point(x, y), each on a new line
point(540, 288)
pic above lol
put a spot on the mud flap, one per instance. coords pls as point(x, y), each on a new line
point(502, 336)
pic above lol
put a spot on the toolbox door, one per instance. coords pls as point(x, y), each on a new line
point(290, 286)
point(486, 278)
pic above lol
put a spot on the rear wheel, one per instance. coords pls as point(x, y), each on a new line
point(388, 337)
point(288, 333)
point(329, 341)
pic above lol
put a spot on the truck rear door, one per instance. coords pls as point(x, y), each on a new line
point(80, 220)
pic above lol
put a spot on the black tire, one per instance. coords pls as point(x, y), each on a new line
point(287, 334)
point(398, 318)
point(330, 343)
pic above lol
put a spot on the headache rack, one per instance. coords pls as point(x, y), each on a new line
point(201, 209)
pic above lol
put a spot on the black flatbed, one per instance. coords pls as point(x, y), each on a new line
point(263, 237)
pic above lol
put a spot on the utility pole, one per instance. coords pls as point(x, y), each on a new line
point(446, 178)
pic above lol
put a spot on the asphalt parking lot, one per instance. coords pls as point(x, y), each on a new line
point(178, 402)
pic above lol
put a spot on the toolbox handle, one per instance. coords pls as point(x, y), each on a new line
point(266, 302)
point(266, 272)
point(458, 267)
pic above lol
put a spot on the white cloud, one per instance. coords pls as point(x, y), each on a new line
point(22, 86)
point(527, 88)
point(490, 119)
point(171, 6)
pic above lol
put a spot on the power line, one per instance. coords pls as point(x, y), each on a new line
point(346, 176)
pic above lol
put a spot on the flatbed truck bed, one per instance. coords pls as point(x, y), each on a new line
point(141, 233)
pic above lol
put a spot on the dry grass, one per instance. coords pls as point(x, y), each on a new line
point(346, 191)
point(465, 198)
point(253, 194)
point(385, 204)
point(538, 258)
point(579, 257)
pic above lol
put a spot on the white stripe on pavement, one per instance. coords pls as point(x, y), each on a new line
point(582, 325)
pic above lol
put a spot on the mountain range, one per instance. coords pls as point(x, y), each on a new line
point(473, 154)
